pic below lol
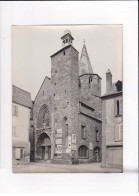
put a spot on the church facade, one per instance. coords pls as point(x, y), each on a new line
point(67, 109)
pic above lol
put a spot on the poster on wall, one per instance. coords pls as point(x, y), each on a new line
point(59, 149)
point(73, 138)
point(91, 146)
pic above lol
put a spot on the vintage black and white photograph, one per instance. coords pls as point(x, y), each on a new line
point(67, 99)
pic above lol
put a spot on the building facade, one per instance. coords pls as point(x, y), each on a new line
point(67, 109)
point(112, 124)
point(21, 107)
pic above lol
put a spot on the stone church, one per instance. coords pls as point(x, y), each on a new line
point(67, 109)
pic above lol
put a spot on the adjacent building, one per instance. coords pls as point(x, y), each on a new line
point(21, 107)
point(112, 124)
point(67, 109)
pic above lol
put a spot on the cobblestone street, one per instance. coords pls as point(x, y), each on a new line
point(59, 168)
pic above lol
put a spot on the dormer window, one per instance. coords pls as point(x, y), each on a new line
point(118, 86)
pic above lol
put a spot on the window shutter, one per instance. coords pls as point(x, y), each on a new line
point(14, 131)
point(116, 133)
point(16, 111)
point(115, 107)
point(121, 107)
point(13, 110)
point(121, 132)
point(21, 153)
point(17, 153)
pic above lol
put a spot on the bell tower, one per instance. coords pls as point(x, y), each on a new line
point(65, 99)
point(67, 38)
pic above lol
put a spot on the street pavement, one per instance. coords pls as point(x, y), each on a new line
point(37, 167)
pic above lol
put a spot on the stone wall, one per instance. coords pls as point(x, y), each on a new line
point(90, 90)
point(91, 125)
point(43, 97)
point(65, 99)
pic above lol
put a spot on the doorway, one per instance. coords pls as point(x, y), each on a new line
point(44, 147)
point(46, 152)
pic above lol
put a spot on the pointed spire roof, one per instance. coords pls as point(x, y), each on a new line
point(85, 64)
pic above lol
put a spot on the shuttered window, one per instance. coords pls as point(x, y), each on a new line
point(14, 131)
point(118, 132)
point(19, 153)
point(15, 110)
point(121, 107)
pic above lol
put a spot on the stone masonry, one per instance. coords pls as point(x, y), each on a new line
point(67, 109)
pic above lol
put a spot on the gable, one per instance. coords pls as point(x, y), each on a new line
point(45, 89)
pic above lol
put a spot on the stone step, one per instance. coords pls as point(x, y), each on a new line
point(43, 161)
point(61, 161)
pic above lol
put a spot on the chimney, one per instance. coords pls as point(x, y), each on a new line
point(108, 81)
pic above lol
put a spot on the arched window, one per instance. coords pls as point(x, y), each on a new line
point(82, 151)
point(43, 117)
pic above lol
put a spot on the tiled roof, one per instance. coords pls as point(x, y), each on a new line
point(113, 89)
point(21, 97)
point(85, 102)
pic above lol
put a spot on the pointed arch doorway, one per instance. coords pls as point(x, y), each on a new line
point(44, 146)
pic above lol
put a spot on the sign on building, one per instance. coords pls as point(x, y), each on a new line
point(73, 147)
point(68, 150)
point(59, 130)
point(73, 138)
point(59, 141)
point(59, 149)
point(58, 135)
point(91, 146)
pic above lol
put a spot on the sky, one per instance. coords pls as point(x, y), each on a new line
point(32, 47)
